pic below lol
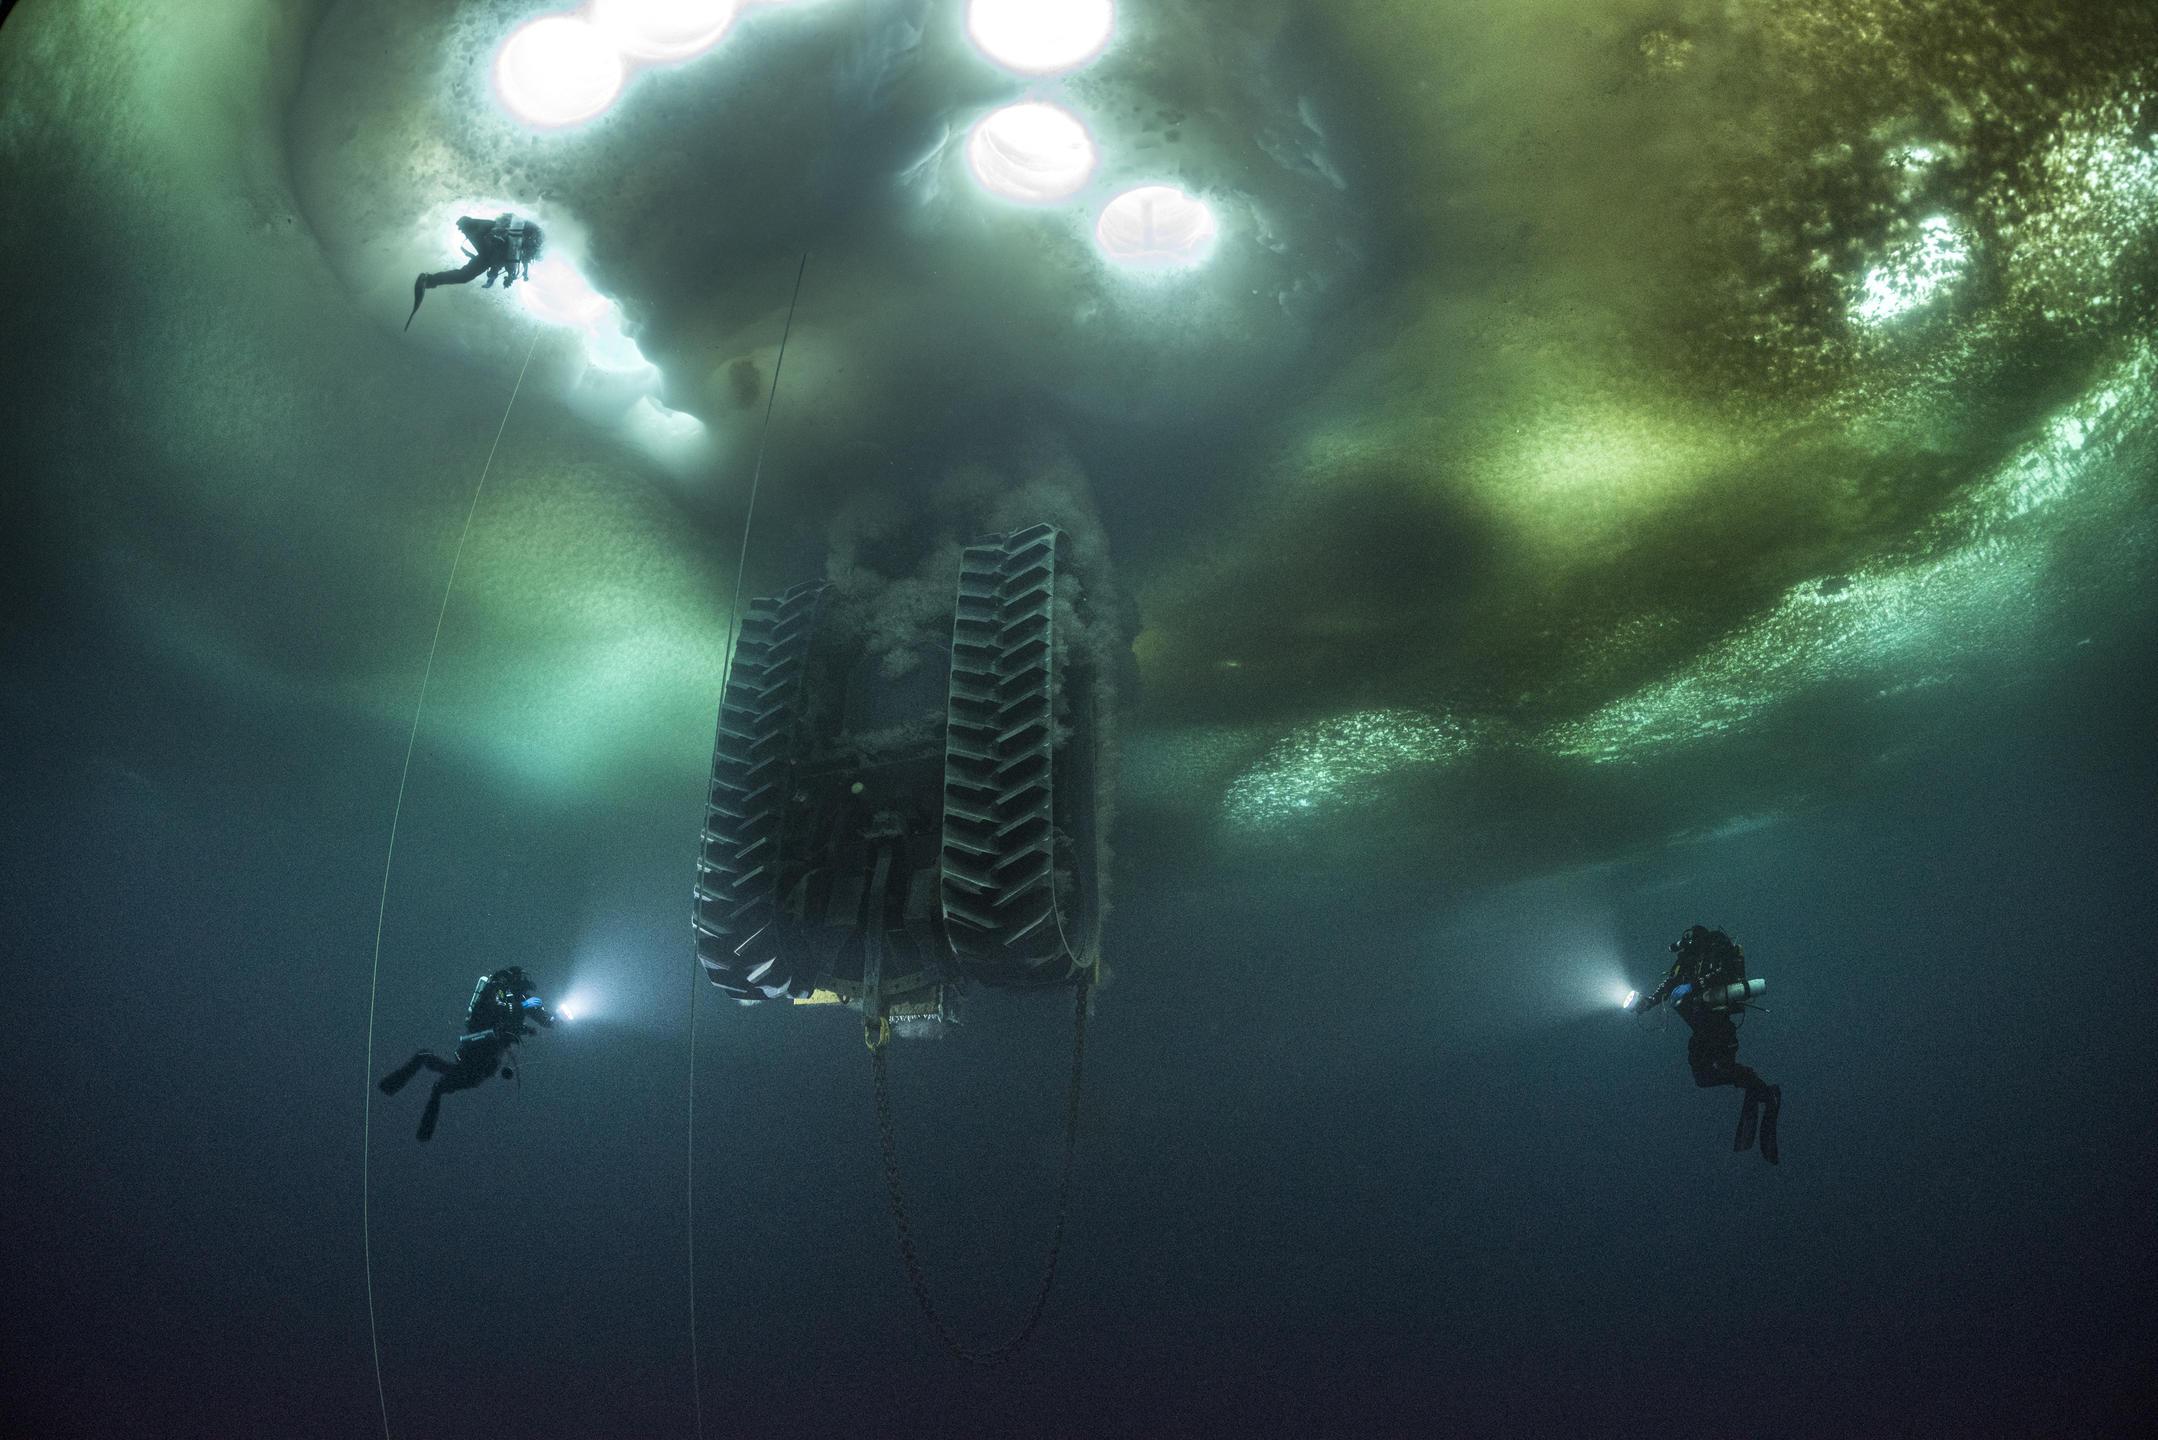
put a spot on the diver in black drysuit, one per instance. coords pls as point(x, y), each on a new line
point(505, 246)
point(1706, 958)
point(501, 1014)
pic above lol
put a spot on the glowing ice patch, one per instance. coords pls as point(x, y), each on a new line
point(1030, 152)
point(614, 350)
point(1915, 272)
point(658, 423)
point(663, 30)
point(1036, 37)
point(1156, 225)
point(1340, 762)
point(558, 70)
point(1985, 586)
point(557, 294)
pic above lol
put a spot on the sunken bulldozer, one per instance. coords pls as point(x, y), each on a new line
point(890, 824)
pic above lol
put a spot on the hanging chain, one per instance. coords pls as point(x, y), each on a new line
point(915, 1278)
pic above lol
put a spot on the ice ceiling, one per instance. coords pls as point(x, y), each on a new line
point(1481, 401)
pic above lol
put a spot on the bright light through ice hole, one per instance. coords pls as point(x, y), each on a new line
point(657, 422)
point(614, 350)
point(1156, 225)
point(664, 29)
point(557, 70)
point(557, 294)
point(1037, 37)
point(1030, 152)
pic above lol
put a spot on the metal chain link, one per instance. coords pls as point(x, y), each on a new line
point(996, 1355)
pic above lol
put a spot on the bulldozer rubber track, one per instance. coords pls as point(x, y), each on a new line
point(998, 879)
point(736, 909)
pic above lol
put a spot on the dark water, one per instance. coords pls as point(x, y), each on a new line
point(1321, 1189)
point(1524, 575)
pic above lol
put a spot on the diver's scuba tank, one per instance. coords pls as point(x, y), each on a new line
point(1734, 996)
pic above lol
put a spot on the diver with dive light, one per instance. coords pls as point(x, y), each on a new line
point(500, 1014)
point(1707, 983)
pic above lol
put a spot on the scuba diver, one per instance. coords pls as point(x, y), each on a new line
point(502, 1009)
point(1706, 983)
point(505, 246)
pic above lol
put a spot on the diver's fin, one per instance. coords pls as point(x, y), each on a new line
point(1770, 1108)
point(397, 1079)
point(1749, 1120)
point(430, 1115)
point(419, 293)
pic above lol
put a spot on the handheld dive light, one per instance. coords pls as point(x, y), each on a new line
point(1734, 996)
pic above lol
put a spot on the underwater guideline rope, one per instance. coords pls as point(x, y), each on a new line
point(382, 904)
point(696, 977)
